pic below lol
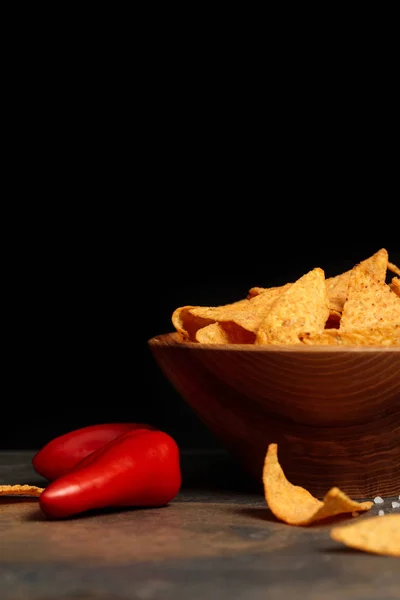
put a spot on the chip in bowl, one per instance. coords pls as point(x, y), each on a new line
point(355, 308)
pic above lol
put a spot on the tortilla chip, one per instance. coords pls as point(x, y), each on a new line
point(393, 268)
point(20, 490)
point(278, 315)
point(295, 505)
point(248, 314)
point(337, 286)
point(224, 333)
point(395, 285)
point(373, 336)
point(376, 535)
point(301, 307)
point(370, 303)
point(186, 324)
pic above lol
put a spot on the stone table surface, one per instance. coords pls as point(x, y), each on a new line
point(217, 540)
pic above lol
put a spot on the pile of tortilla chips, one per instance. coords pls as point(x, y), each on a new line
point(358, 307)
point(295, 505)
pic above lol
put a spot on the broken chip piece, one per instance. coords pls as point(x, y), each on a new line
point(20, 490)
point(295, 505)
point(376, 535)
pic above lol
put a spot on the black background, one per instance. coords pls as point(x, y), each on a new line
point(140, 184)
point(89, 296)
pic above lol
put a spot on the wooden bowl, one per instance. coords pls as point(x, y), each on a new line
point(334, 412)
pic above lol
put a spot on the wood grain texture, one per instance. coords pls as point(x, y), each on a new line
point(334, 412)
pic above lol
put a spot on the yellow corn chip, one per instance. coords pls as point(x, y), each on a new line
point(301, 307)
point(372, 336)
point(279, 315)
point(212, 334)
point(377, 535)
point(295, 505)
point(20, 490)
point(394, 268)
point(337, 286)
point(246, 313)
point(187, 320)
point(395, 285)
point(224, 333)
point(186, 324)
point(370, 303)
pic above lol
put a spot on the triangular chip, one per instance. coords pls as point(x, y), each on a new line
point(20, 490)
point(224, 333)
point(370, 303)
point(395, 286)
point(369, 336)
point(294, 504)
point(301, 307)
point(377, 535)
point(337, 286)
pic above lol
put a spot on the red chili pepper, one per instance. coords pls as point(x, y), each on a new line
point(138, 468)
point(62, 453)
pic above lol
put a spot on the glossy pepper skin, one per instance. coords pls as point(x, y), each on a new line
point(138, 468)
point(62, 453)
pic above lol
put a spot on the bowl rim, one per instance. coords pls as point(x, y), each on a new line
point(173, 340)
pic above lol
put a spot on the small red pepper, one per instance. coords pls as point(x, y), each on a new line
point(62, 453)
point(138, 468)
